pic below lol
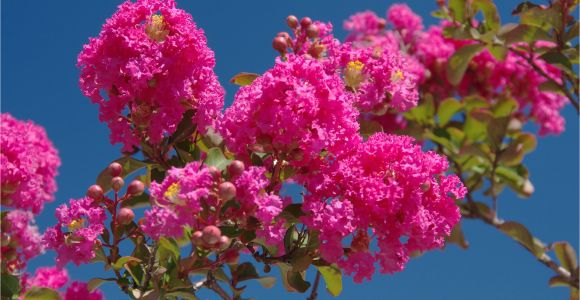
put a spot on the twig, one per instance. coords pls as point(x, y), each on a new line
point(314, 292)
point(150, 265)
point(214, 286)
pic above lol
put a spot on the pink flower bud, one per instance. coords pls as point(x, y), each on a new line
point(115, 169)
point(312, 31)
point(305, 22)
point(215, 172)
point(95, 192)
point(231, 256)
point(292, 21)
point(211, 235)
point(196, 238)
point(236, 168)
point(125, 216)
point(136, 188)
point(117, 183)
point(279, 44)
point(227, 191)
point(284, 34)
point(223, 243)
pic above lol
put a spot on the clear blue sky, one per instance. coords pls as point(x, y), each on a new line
point(40, 42)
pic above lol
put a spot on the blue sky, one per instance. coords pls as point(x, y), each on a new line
point(40, 42)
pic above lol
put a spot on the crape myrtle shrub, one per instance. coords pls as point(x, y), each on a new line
point(390, 133)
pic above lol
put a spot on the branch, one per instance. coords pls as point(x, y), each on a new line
point(561, 87)
point(150, 266)
point(314, 292)
point(214, 286)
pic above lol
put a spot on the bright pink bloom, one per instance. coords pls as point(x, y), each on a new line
point(295, 110)
point(405, 21)
point(83, 221)
point(28, 164)
point(49, 277)
point(79, 290)
point(149, 65)
point(390, 185)
point(24, 241)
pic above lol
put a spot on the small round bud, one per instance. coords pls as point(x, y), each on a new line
point(292, 21)
point(125, 216)
point(382, 23)
point(136, 188)
point(95, 192)
point(425, 186)
point(267, 268)
point(196, 238)
point(117, 183)
point(211, 235)
point(227, 191)
point(279, 44)
point(215, 172)
point(236, 168)
point(223, 243)
point(115, 169)
point(312, 31)
point(528, 188)
point(284, 34)
point(305, 22)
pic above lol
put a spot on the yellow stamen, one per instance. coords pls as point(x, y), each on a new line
point(398, 75)
point(172, 191)
point(76, 224)
point(355, 65)
point(353, 75)
point(156, 28)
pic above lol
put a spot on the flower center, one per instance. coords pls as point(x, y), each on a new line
point(353, 75)
point(156, 28)
point(76, 224)
point(397, 75)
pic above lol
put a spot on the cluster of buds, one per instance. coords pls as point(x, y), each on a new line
point(210, 238)
point(125, 215)
point(306, 35)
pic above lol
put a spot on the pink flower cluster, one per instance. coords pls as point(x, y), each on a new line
point(20, 239)
point(28, 165)
point(185, 197)
point(390, 188)
point(83, 223)
point(149, 65)
point(56, 278)
point(294, 111)
point(428, 52)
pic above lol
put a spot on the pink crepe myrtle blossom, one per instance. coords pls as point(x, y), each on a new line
point(82, 222)
point(21, 240)
point(48, 277)
point(388, 185)
point(80, 290)
point(28, 165)
point(294, 111)
point(148, 66)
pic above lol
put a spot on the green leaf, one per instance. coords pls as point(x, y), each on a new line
point(168, 246)
point(289, 238)
point(521, 234)
point(457, 237)
point(243, 78)
point(137, 201)
point(301, 260)
point(447, 109)
point(292, 212)
point(499, 51)
point(457, 9)
point(37, 293)
point(460, 60)
point(559, 60)
point(521, 145)
point(573, 33)
point(118, 265)
point(10, 285)
point(186, 294)
point(96, 282)
point(333, 279)
point(546, 18)
point(292, 281)
point(525, 33)
point(490, 14)
point(245, 271)
point(369, 127)
point(130, 165)
point(566, 255)
point(216, 158)
point(511, 177)
point(267, 281)
point(558, 281)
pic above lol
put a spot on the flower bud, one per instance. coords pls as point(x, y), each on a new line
point(215, 172)
point(117, 183)
point(227, 191)
point(279, 44)
point(115, 169)
point(95, 192)
point(211, 235)
point(267, 268)
point(292, 21)
point(223, 243)
point(236, 168)
point(136, 188)
point(528, 188)
point(305, 22)
point(196, 238)
point(125, 216)
point(284, 34)
point(312, 31)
